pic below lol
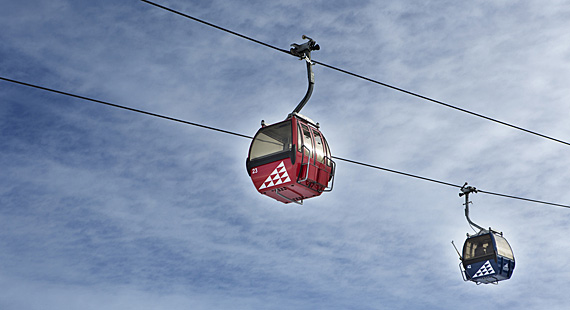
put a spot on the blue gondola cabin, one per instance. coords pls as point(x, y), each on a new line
point(487, 258)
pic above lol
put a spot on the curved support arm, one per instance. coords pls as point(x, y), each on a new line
point(304, 52)
point(465, 191)
point(311, 77)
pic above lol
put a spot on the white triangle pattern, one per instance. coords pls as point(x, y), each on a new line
point(278, 176)
point(485, 270)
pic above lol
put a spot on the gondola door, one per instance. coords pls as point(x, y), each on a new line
point(317, 167)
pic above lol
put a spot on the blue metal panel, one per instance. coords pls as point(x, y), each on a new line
point(484, 271)
point(490, 271)
point(506, 267)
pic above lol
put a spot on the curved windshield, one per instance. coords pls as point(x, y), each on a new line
point(271, 140)
point(478, 247)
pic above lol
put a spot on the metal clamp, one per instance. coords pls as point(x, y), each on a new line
point(303, 51)
point(465, 191)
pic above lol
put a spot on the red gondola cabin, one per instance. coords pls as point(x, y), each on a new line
point(291, 161)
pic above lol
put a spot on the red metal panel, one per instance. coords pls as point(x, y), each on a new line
point(279, 179)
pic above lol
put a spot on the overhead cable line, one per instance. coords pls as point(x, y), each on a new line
point(216, 26)
point(249, 137)
point(449, 184)
point(123, 107)
point(364, 77)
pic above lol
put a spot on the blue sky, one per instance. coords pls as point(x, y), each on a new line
point(102, 208)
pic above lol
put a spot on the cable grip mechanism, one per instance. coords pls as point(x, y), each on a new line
point(465, 191)
point(303, 51)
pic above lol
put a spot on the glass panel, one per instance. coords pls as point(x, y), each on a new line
point(299, 138)
point(477, 247)
point(307, 140)
point(270, 140)
point(319, 147)
point(328, 152)
point(503, 247)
